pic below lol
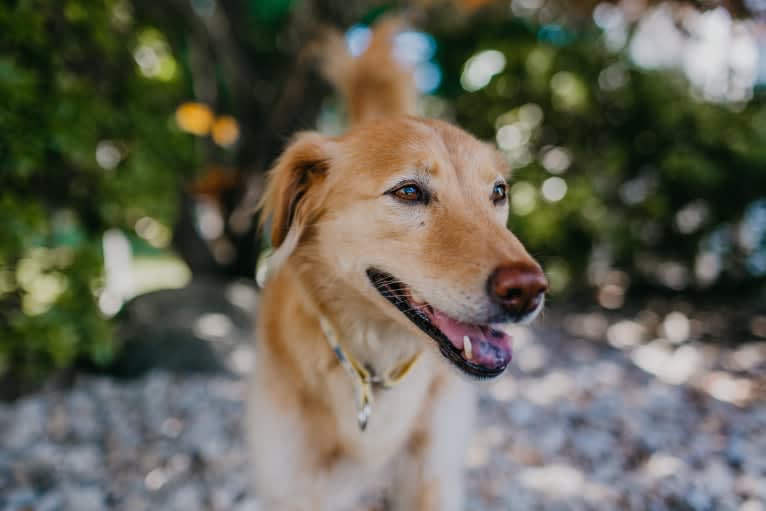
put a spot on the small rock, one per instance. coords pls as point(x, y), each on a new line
point(248, 504)
point(84, 423)
point(186, 497)
point(28, 424)
point(51, 501)
point(717, 478)
point(20, 499)
point(84, 461)
point(83, 498)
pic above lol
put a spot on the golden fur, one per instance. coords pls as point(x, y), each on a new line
point(330, 220)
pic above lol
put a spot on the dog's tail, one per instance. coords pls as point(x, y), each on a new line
point(374, 84)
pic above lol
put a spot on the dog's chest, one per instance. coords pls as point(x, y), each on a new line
point(396, 413)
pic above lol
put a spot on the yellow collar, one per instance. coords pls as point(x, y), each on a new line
point(363, 379)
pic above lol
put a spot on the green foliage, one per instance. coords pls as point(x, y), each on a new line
point(87, 143)
point(652, 174)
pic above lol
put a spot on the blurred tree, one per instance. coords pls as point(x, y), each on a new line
point(87, 144)
point(248, 59)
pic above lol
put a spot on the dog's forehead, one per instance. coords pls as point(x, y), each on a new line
point(468, 156)
point(432, 147)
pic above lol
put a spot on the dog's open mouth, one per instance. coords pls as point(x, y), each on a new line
point(479, 350)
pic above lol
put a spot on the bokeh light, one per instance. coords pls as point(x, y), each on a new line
point(523, 198)
point(195, 118)
point(554, 189)
point(225, 130)
point(479, 69)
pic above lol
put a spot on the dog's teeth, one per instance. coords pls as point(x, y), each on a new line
point(467, 347)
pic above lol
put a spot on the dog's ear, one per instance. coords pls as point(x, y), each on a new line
point(287, 200)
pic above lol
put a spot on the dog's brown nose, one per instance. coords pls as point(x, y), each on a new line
point(518, 287)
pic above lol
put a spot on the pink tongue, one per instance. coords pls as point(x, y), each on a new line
point(490, 348)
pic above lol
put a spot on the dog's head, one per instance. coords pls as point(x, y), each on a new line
point(411, 214)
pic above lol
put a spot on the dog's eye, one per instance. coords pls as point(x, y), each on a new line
point(409, 193)
point(499, 193)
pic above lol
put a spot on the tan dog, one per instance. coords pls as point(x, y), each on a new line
point(391, 254)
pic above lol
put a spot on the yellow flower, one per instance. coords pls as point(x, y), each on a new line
point(195, 118)
point(225, 130)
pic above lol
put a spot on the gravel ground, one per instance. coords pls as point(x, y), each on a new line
point(577, 424)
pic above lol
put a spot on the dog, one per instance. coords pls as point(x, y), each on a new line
point(392, 276)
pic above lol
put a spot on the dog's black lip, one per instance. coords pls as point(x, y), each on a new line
point(393, 290)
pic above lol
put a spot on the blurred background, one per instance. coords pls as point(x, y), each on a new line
point(134, 137)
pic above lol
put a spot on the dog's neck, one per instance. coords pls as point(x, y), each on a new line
point(364, 331)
